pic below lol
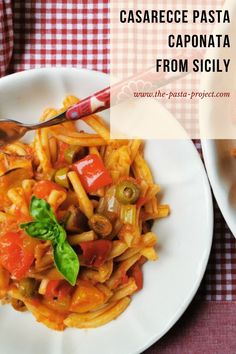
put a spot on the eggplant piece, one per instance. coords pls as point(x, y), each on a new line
point(18, 305)
point(76, 221)
point(28, 287)
point(9, 162)
point(100, 224)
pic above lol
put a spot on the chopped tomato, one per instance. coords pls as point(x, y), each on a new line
point(86, 297)
point(51, 289)
point(92, 173)
point(95, 253)
point(16, 253)
point(43, 188)
point(62, 147)
point(58, 288)
point(64, 289)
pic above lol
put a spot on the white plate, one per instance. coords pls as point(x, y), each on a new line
point(220, 165)
point(184, 237)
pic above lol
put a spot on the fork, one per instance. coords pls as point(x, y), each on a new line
point(11, 130)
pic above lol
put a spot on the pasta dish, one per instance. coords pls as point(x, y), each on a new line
point(76, 211)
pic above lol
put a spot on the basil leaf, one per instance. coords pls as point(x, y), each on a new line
point(41, 230)
point(61, 234)
point(47, 228)
point(66, 261)
point(41, 210)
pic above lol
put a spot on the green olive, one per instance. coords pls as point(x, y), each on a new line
point(100, 224)
point(28, 287)
point(127, 192)
point(72, 153)
point(61, 177)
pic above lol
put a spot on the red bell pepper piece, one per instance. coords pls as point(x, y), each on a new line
point(58, 288)
point(43, 188)
point(95, 253)
point(92, 173)
point(16, 253)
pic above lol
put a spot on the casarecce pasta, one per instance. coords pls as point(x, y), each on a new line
point(76, 211)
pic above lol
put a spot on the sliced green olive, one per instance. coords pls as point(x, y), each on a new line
point(100, 224)
point(73, 153)
point(60, 177)
point(28, 287)
point(127, 192)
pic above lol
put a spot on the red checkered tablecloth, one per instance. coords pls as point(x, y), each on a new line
point(61, 33)
point(6, 35)
point(76, 33)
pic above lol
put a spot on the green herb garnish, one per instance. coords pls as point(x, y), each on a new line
point(46, 228)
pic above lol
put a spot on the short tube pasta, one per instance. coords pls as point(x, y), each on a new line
point(95, 203)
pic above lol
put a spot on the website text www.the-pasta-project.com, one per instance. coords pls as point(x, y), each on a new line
point(181, 94)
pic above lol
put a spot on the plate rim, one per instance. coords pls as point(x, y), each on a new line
point(188, 301)
point(217, 188)
point(209, 144)
point(205, 186)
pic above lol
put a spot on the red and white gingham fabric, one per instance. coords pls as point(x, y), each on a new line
point(136, 46)
point(6, 34)
point(76, 33)
point(61, 33)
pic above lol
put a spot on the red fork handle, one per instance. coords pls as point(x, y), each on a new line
point(101, 99)
point(89, 105)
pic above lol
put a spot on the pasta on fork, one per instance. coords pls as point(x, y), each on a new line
point(76, 211)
